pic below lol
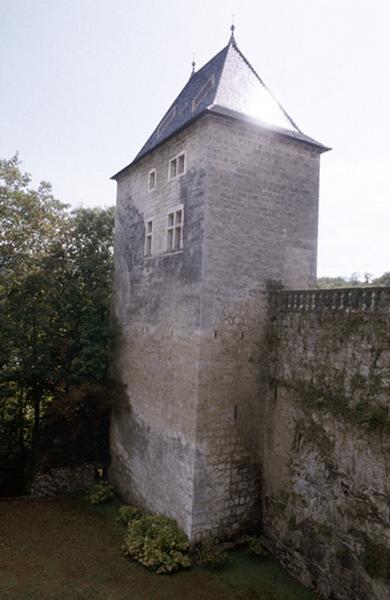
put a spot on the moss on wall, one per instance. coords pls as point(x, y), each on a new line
point(327, 449)
point(376, 560)
point(336, 362)
point(333, 399)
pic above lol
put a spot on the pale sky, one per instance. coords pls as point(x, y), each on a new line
point(84, 82)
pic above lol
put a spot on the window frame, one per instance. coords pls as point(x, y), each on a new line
point(148, 243)
point(175, 159)
point(174, 226)
point(202, 93)
point(152, 172)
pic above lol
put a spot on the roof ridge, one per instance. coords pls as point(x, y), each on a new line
point(232, 42)
point(211, 59)
point(226, 49)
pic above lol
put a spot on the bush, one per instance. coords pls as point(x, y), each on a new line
point(128, 514)
point(210, 554)
point(157, 543)
point(256, 545)
point(100, 492)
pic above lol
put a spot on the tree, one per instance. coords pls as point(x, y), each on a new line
point(332, 282)
point(383, 280)
point(56, 334)
point(353, 280)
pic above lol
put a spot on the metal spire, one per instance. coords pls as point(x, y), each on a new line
point(193, 64)
point(232, 28)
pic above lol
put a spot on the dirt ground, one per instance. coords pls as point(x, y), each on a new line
point(65, 549)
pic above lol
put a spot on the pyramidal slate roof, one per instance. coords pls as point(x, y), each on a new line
point(230, 86)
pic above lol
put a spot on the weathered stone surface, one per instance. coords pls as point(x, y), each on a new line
point(62, 480)
point(158, 304)
point(230, 422)
point(188, 442)
point(260, 229)
point(326, 462)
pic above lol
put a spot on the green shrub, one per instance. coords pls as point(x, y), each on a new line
point(100, 492)
point(210, 554)
point(128, 513)
point(157, 543)
point(256, 545)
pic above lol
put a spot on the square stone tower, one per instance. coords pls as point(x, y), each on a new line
point(219, 204)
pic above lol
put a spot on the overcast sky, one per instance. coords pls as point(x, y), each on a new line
point(84, 82)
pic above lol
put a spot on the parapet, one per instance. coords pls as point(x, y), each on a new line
point(375, 300)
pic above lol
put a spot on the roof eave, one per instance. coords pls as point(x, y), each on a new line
point(165, 139)
point(230, 114)
point(297, 136)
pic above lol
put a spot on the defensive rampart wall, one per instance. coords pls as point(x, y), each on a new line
point(326, 462)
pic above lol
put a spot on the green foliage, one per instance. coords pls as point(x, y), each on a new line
point(383, 280)
point(354, 280)
point(157, 543)
point(256, 545)
point(323, 530)
point(56, 334)
point(342, 553)
point(210, 554)
point(376, 561)
point(333, 282)
point(128, 514)
point(292, 522)
point(331, 397)
point(100, 493)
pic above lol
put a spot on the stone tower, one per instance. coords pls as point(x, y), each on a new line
point(219, 204)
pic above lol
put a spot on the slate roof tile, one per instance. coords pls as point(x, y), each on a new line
point(230, 86)
point(184, 109)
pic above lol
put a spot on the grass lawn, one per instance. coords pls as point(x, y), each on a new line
point(65, 549)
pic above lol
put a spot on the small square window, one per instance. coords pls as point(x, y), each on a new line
point(152, 179)
point(175, 231)
point(177, 165)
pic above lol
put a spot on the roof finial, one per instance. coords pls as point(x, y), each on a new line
point(193, 64)
point(232, 28)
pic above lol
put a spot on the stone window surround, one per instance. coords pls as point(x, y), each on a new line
point(174, 229)
point(175, 161)
point(152, 179)
point(148, 247)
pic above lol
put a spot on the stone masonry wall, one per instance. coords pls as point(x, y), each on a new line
point(326, 463)
point(188, 441)
point(157, 302)
point(260, 229)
